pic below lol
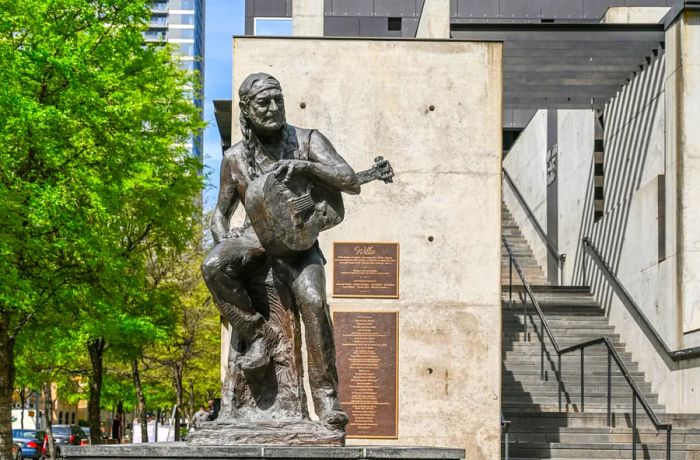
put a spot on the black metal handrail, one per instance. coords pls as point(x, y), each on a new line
point(505, 427)
point(551, 247)
point(671, 357)
point(637, 394)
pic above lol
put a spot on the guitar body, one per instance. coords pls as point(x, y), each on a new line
point(289, 216)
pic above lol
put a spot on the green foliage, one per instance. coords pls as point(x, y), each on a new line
point(94, 179)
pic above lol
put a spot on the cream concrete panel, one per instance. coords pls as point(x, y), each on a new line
point(527, 166)
point(373, 98)
point(688, 100)
point(634, 14)
point(576, 137)
point(307, 18)
point(434, 19)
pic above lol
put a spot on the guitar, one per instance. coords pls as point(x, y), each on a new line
point(289, 216)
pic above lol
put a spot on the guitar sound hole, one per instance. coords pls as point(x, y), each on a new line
point(325, 214)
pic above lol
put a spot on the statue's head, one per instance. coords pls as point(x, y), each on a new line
point(261, 103)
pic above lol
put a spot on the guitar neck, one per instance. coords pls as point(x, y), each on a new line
point(366, 176)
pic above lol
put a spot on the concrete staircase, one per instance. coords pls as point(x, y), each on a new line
point(530, 391)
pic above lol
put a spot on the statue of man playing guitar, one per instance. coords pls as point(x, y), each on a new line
point(273, 154)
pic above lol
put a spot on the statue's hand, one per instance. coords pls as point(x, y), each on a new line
point(290, 167)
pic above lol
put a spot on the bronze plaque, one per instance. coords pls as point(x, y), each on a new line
point(366, 270)
point(367, 360)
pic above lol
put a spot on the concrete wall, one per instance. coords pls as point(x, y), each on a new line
point(526, 164)
point(372, 98)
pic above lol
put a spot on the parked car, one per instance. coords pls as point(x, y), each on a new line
point(31, 441)
point(16, 451)
point(68, 434)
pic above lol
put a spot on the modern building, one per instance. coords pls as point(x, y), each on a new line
point(601, 185)
point(181, 23)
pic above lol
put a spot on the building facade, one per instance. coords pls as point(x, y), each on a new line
point(181, 23)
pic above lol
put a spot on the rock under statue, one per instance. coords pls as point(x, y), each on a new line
point(267, 277)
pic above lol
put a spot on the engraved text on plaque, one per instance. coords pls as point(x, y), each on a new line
point(366, 270)
point(367, 360)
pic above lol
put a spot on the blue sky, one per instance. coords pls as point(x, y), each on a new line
point(224, 19)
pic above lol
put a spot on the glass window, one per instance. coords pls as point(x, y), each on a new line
point(181, 33)
point(182, 19)
point(281, 27)
point(181, 4)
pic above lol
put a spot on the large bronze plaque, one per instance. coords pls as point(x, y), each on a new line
point(367, 360)
point(366, 270)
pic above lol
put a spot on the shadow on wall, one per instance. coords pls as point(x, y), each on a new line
point(629, 120)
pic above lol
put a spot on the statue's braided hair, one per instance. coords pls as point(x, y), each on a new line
point(252, 85)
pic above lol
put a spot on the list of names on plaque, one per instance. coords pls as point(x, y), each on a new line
point(366, 270)
point(367, 361)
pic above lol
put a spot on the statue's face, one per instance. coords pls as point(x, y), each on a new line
point(266, 111)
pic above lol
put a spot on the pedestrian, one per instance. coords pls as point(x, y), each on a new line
point(117, 428)
point(202, 415)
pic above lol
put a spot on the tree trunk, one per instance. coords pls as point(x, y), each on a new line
point(190, 414)
point(141, 400)
point(22, 403)
point(177, 376)
point(48, 418)
point(7, 383)
point(96, 349)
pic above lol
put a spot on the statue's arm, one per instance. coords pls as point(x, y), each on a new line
point(329, 167)
point(226, 203)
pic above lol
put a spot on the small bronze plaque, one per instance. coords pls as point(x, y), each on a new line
point(366, 270)
point(367, 360)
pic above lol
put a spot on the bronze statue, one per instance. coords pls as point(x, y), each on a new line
point(269, 272)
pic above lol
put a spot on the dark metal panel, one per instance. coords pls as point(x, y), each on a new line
point(562, 9)
point(271, 8)
point(521, 8)
point(397, 8)
point(376, 27)
point(353, 7)
point(595, 9)
point(339, 26)
point(250, 7)
point(646, 3)
point(477, 9)
point(453, 9)
point(327, 7)
point(249, 25)
point(409, 27)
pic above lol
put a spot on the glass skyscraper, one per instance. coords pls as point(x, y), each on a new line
point(181, 23)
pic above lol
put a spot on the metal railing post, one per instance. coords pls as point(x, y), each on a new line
point(510, 284)
point(559, 379)
point(634, 426)
point(582, 382)
point(583, 265)
point(668, 442)
point(542, 350)
point(609, 388)
point(562, 260)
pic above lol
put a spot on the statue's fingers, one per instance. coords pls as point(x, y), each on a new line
point(290, 169)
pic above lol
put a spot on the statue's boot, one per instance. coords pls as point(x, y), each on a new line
point(328, 408)
point(256, 356)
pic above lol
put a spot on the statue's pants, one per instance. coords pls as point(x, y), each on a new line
point(232, 262)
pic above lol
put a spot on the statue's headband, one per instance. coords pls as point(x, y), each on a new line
point(269, 83)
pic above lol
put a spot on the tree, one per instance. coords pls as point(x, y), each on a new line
point(92, 165)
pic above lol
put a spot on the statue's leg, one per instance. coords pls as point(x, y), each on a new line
point(221, 270)
point(309, 289)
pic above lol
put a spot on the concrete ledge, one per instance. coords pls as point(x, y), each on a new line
point(182, 451)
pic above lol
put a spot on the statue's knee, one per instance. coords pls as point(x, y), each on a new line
point(313, 302)
point(210, 267)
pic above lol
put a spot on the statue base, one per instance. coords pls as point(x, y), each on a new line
point(181, 451)
point(267, 433)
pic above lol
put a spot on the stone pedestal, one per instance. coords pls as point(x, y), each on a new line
point(181, 451)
